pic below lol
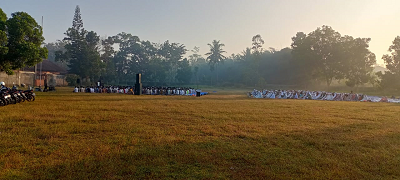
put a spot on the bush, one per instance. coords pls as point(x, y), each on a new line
point(71, 79)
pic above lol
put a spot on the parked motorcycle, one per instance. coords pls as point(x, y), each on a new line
point(30, 95)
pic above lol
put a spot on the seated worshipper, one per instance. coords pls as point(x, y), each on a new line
point(278, 94)
point(328, 97)
point(253, 93)
point(268, 94)
point(394, 100)
point(342, 96)
point(360, 97)
point(316, 95)
point(301, 96)
point(374, 99)
point(309, 96)
point(296, 96)
point(364, 98)
point(337, 97)
point(287, 94)
point(130, 91)
point(323, 94)
point(272, 95)
point(282, 95)
point(292, 94)
point(76, 89)
point(346, 97)
point(384, 99)
point(354, 97)
point(306, 95)
point(258, 94)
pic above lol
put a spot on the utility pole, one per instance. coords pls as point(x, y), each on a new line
point(40, 81)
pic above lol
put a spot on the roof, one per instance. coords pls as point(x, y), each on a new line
point(47, 66)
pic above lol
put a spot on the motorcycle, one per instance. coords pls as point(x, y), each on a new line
point(5, 98)
point(30, 95)
point(21, 95)
point(14, 97)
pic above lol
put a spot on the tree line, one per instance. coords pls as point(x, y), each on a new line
point(321, 56)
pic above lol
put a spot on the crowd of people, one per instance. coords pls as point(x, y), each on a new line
point(104, 89)
point(171, 91)
point(319, 95)
point(145, 90)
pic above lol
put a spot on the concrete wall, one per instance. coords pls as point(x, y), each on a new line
point(56, 80)
point(27, 78)
point(18, 78)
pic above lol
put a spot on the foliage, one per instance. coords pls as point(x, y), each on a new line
point(258, 42)
point(321, 55)
point(71, 79)
point(107, 57)
point(81, 50)
point(215, 57)
point(391, 78)
point(184, 73)
point(359, 61)
point(326, 55)
point(196, 58)
point(20, 42)
point(53, 48)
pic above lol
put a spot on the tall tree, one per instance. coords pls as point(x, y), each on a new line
point(172, 53)
point(322, 50)
point(391, 78)
point(215, 57)
point(3, 40)
point(127, 60)
point(184, 73)
point(358, 61)
point(94, 66)
point(107, 57)
point(82, 50)
point(20, 42)
point(258, 42)
point(302, 59)
point(195, 57)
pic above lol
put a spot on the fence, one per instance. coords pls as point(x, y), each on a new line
point(28, 78)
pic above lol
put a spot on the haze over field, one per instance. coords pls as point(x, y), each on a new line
point(234, 22)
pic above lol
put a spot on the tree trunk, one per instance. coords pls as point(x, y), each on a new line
point(328, 81)
point(217, 73)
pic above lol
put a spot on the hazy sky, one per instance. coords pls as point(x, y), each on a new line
point(234, 22)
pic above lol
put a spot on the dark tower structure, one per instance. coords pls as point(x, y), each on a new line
point(138, 85)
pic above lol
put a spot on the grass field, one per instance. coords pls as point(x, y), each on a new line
point(63, 135)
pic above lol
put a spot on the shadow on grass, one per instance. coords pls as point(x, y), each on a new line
point(342, 152)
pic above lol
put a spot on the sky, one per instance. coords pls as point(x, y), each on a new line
point(233, 22)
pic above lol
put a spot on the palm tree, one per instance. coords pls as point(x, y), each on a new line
point(214, 57)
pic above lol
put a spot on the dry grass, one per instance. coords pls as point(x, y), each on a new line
point(220, 136)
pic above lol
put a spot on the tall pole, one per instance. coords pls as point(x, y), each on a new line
point(40, 81)
point(35, 77)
